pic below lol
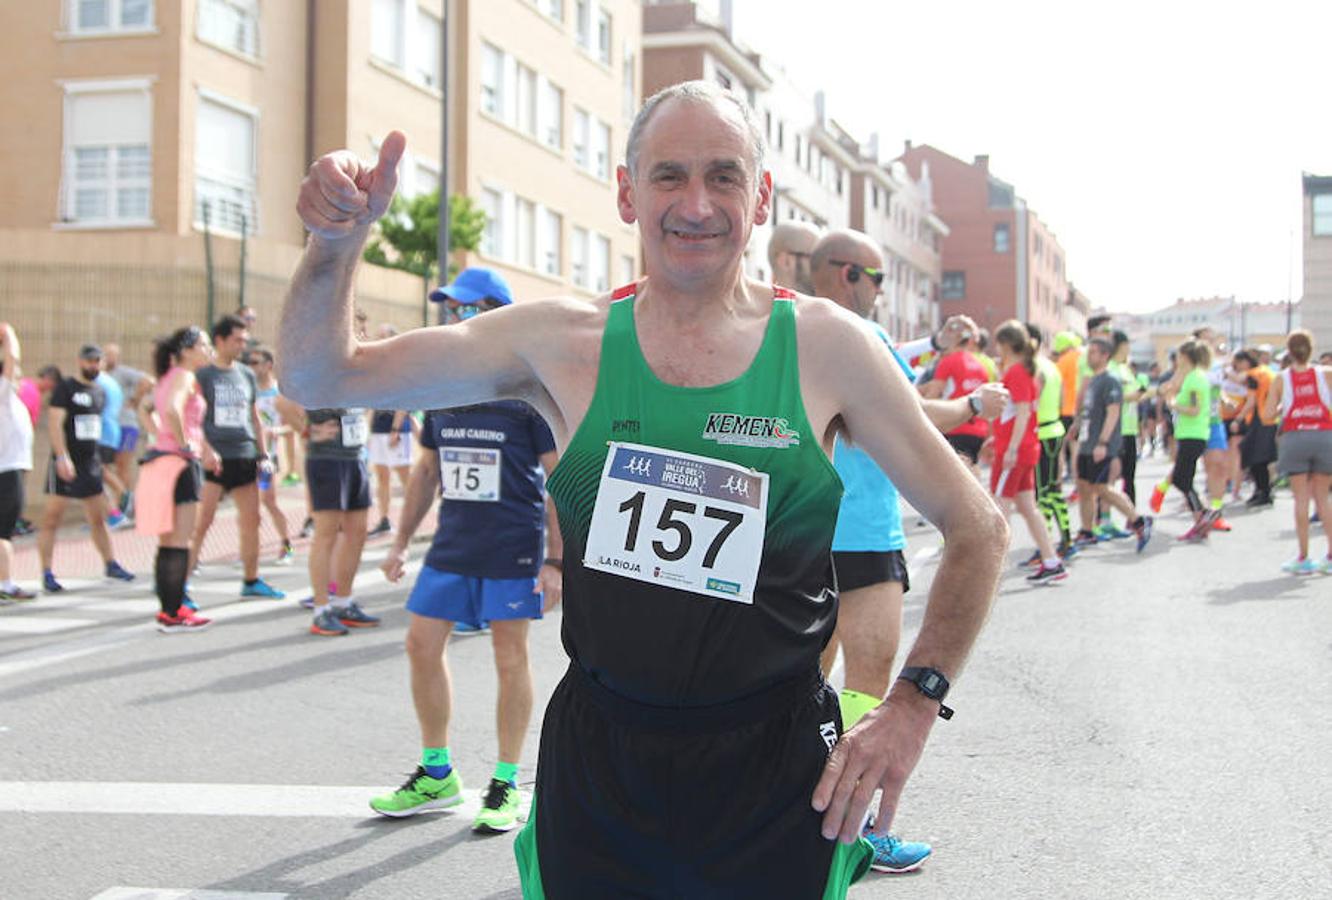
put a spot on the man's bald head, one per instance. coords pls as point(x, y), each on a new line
point(111, 356)
point(837, 268)
point(789, 250)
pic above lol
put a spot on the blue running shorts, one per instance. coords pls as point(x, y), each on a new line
point(1216, 437)
point(473, 601)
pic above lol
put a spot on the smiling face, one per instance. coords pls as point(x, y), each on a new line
point(695, 195)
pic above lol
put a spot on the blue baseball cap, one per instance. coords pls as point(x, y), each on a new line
point(473, 285)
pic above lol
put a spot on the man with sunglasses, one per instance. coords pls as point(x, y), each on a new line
point(868, 544)
point(789, 250)
point(486, 565)
point(692, 748)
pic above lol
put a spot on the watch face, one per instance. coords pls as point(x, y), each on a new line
point(930, 682)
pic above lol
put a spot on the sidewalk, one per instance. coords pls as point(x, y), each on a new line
point(76, 557)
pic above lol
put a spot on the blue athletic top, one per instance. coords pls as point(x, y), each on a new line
point(869, 518)
point(480, 534)
point(115, 399)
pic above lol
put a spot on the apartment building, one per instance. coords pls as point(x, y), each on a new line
point(143, 118)
point(898, 212)
point(1000, 260)
point(1239, 324)
point(1317, 244)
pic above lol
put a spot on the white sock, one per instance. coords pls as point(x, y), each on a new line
point(9, 587)
point(1052, 563)
point(340, 603)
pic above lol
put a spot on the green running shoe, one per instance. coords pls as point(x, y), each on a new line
point(499, 808)
point(419, 793)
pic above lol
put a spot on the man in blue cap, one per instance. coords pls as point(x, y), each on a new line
point(486, 565)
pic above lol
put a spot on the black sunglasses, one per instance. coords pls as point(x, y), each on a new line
point(875, 275)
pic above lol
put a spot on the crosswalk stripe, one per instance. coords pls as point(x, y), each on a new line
point(41, 624)
point(139, 893)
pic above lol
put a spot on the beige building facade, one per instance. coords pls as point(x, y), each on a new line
point(1317, 245)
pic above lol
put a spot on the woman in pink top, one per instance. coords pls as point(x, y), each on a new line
point(167, 498)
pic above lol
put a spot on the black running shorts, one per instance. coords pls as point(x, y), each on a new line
point(236, 473)
point(87, 481)
point(656, 802)
point(1090, 470)
point(341, 485)
point(968, 445)
point(858, 569)
point(11, 501)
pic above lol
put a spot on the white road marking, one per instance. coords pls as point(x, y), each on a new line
point(137, 893)
point(41, 624)
point(137, 605)
point(72, 649)
point(155, 798)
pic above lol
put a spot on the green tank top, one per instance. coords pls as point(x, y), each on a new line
point(1194, 391)
point(697, 525)
point(1048, 423)
point(1128, 417)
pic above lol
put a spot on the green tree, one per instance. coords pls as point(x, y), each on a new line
point(405, 238)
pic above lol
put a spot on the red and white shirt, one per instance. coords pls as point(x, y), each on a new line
point(1306, 401)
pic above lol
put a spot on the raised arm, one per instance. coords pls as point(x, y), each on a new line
point(322, 364)
point(13, 354)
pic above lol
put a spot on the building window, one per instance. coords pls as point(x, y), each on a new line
point(407, 38)
point(551, 9)
point(1000, 196)
point(230, 24)
point(626, 269)
point(550, 237)
point(599, 264)
point(601, 149)
point(524, 242)
point(583, 24)
point(1001, 237)
point(582, 137)
point(578, 247)
point(874, 196)
point(953, 286)
point(224, 167)
point(525, 113)
point(603, 36)
point(781, 135)
point(492, 204)
point(550, 110)
point(1038, 246)
point(492, 80)
point(107, 153)
point(1322, 214)
point(100, 16)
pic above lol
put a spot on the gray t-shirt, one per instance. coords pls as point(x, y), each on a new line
point(1100, 393)
point(346, 442)
point(228, 424)
point(128, 379)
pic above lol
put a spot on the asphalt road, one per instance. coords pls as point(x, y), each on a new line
point(1157, 726)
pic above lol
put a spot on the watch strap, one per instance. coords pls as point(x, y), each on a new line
point(928, 681)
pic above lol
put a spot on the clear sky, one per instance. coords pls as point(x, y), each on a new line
point(1162, 141)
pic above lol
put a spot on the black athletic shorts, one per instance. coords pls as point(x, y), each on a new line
point(87, 481)
point(858, 569)
point(189, 484)
point(337, 484)
point(968, 445)
point(662, 802)
point(1090, 470)
point(236, 473)
point(11, 501)
point(106, 454)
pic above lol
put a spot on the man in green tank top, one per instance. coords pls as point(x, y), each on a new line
point(692, 749)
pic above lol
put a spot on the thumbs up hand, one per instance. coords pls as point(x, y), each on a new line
point(340, 194)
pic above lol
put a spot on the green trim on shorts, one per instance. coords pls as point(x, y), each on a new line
point(849, 864)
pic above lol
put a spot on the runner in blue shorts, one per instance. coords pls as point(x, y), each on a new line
point(486, 565)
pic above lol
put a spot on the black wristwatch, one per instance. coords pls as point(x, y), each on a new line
point(930, 682)
point(975, 403)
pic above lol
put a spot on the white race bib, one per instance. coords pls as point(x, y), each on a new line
point(88, 427)
point(470, 473)
point(679, 520)
point(230, 416)
point(354, 430)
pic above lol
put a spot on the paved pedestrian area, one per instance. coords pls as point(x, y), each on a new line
point(1155, 727)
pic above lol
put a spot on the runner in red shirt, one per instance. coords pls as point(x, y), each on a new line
point(1016, 447)
point(958, 374)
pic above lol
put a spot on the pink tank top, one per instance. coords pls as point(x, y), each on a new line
point(193, 419)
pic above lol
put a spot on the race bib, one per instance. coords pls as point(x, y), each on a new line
point(1084, 432)
point(88, 428)
point(354, 430)
point(229, 415)
point(470, 473)
point(678, 520)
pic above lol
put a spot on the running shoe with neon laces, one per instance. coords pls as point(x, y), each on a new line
point(16, 594)
point(353, 616)
point(117, 571)
point(326, 624)
point(1048, 574)
point(286, 557)
point(1305, 566)
point(1144, 531)
point(420, 793)
point(262, 589)
point(182, 622)
point(1158, 497)
point(896, 856)
point(499, 808)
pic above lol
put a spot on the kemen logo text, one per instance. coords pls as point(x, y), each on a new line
point(750, 431)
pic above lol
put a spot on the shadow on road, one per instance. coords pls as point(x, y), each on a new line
point(1281, 588)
